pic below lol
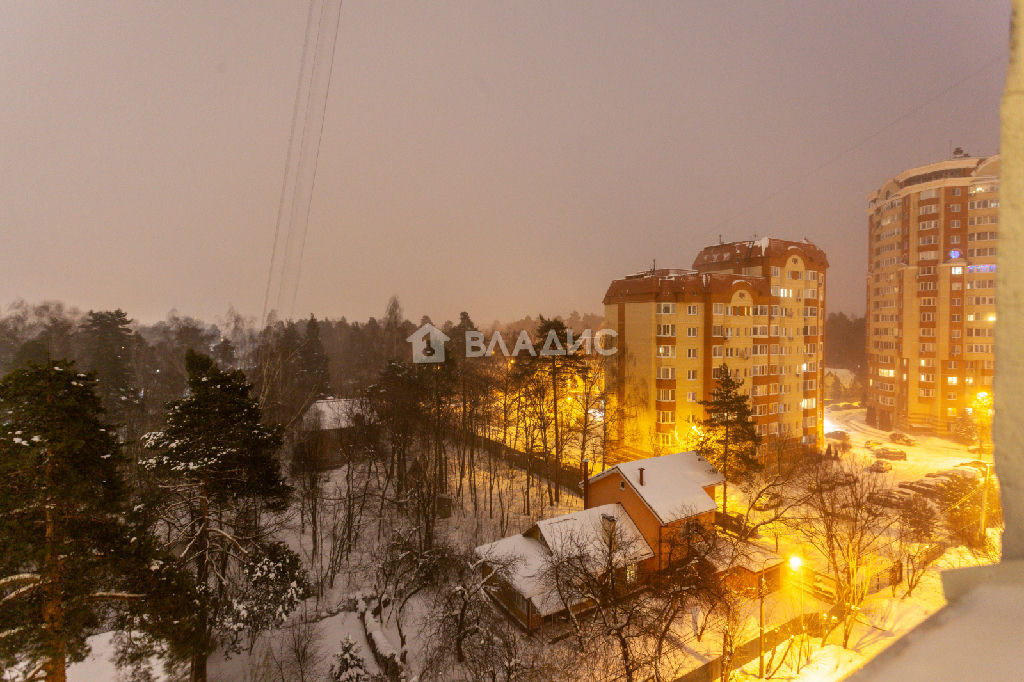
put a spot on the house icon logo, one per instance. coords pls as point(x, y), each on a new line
point(428, 344)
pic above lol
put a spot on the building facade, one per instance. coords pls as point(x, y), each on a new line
point(932, 235)
point(758, 306)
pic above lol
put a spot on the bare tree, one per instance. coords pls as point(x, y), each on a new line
point(918, 540)
point(840, 521)
point(597, 581)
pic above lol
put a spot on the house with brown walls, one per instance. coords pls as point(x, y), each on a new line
point(519, 566)
point(661, 495)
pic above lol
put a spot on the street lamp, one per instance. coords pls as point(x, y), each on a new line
point(796, 564)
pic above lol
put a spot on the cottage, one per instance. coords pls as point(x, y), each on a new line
point(522, 583)
point(661, 495)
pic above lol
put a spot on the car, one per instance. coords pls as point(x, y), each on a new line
point(872, 444)
point(880, 466)
point(838, 435)
point(889, 498)
point(927, 487)
point(977, 464)
point(901, 438)
point(891, 453)
point(968, 472)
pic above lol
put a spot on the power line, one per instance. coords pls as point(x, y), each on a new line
point(288, 259)
point(288, 158)
point(316, 156)
point(899, 119)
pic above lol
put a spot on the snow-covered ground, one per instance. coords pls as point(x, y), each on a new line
point(930, 454)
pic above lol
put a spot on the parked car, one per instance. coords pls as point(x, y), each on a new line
point(901, 438)
point(838, 435)
point(872, 444)
point(880, 466)
point(889, 498)
point(928, 487)
point(966, 471)
point(891, 453)
point(977, 464)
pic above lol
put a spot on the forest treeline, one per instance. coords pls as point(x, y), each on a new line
point(140, 367)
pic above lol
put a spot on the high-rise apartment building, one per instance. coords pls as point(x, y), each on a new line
point(757, 306)
point(931, 293)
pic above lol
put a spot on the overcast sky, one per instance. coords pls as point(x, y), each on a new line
point(501, 158)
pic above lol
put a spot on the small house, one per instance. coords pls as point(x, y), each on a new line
point(661, 495)
point(523, 583)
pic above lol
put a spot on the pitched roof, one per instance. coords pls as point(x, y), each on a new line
point(673, 487)
point(530, 556)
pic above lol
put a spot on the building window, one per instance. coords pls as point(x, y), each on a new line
point(691, 332)
point(666, 372)
point(691, 310)
point(691, 397)
point(666, 351)
point(666, 394)
point(691, 353)
point(719, 308)
point(691, 374)
point(666, 417)
point(666, 308)
point(666, 330)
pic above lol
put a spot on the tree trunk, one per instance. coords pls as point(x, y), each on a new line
point(53, 611)
point(200, 648)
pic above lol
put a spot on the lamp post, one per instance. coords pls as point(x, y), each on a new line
point(796, 563)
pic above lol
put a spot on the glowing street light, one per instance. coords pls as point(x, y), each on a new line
point(795, 563)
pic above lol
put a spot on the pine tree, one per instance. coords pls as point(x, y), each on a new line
point(729, 438)
point(348, 664)
point(312, 365)
point(107, 352)
point(215, 476)
point(70, 545)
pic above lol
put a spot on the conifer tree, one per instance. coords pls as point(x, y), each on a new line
point(312, 369)
point(107, 352)
point(70, 544)
point(215, 478)
point(729, 438)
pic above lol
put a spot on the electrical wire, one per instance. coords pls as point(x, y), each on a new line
point(288, 160)
point(316, 156)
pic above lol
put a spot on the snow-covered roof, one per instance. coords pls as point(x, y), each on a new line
point(330, 413)
point(673, 486)
point(528, 556)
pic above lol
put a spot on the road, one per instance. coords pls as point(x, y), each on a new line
point(930, 454)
